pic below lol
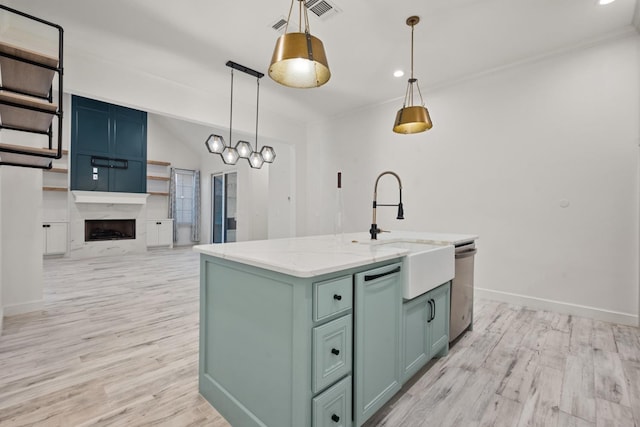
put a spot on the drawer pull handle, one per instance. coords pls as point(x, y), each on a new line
point(337, 297)
point(335, 351)
point(335, 418)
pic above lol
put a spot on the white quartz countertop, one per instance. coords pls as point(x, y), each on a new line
point(317, 255)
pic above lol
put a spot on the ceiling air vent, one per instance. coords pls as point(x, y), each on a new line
point(322, 8)
point(279, 25)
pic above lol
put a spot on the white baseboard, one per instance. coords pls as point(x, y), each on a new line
point(559, 307)
point(25, 307)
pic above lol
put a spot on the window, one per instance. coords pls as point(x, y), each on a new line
point(185, 188)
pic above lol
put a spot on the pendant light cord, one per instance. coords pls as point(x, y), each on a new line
point(231, 111)
point(409, 94)
point(286, 27)
point(306, 17)
point(412, 27)
point(257, 110)
point(300, 15)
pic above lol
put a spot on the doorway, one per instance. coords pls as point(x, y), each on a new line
point(224, 197)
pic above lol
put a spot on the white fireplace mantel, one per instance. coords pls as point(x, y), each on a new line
point(105, 197)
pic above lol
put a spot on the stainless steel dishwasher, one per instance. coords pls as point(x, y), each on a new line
point(461, 316)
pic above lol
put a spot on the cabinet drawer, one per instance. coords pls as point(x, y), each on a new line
point(331, 352)
point(333, 407)
point(331, 297)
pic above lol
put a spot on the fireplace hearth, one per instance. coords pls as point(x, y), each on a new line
point(109, 229)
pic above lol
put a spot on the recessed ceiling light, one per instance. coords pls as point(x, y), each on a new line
point(603, 2)
point(398, 73)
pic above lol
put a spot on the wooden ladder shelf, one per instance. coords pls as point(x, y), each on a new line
point(26, 99)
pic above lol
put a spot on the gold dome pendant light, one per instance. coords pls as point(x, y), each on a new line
point(412, 118)
point(299, 59)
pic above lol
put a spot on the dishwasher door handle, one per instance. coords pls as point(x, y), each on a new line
point(377, 276)
point(466, 254)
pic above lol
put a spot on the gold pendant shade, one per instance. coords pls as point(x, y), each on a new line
point(414, 119)
point(299, 61)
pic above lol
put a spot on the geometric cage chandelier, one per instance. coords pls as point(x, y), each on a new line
point(243, 149)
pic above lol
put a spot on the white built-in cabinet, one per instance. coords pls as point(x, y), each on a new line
point(54, 238)
point(160, 232)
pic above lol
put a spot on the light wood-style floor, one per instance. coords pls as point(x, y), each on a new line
point(117, 345)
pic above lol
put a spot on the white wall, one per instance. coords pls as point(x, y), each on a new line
point(56, 203)
point(156, 95)
point(507, 152)
point(21, 225)
point(1, 288)
point(168, 140)
point(258, 191)
point(282, 193)
point(90, 75)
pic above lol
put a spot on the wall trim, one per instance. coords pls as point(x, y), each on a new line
point(25, 307)
point(559, 306)
point(1, 318)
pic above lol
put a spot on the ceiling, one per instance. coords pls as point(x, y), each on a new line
point(189, 41)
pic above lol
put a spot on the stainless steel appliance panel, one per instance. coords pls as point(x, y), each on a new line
point(462, 291)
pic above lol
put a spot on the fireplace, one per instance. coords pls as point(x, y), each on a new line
point(109, 229)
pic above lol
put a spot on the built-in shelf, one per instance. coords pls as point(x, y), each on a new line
point(158, 163)
point(24, 77)
point(55, 189)
point(25, 113)
point(26, 97)
point(64, 152)
point(57, 170)
point(26, 155)
point(158, 178)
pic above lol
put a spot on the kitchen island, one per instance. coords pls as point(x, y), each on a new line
point(298, 332)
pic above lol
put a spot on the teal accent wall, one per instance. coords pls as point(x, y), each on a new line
point(110, 132)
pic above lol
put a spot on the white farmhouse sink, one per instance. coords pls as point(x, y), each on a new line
point(425, 266)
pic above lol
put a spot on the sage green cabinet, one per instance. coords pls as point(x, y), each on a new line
point(324, 351)
point(331, 352)
point(378, 312)
point(425, 329)
point(332, 297)
point(439, 324)
point(277, 350)
point(333, 407)
point(415, 335)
